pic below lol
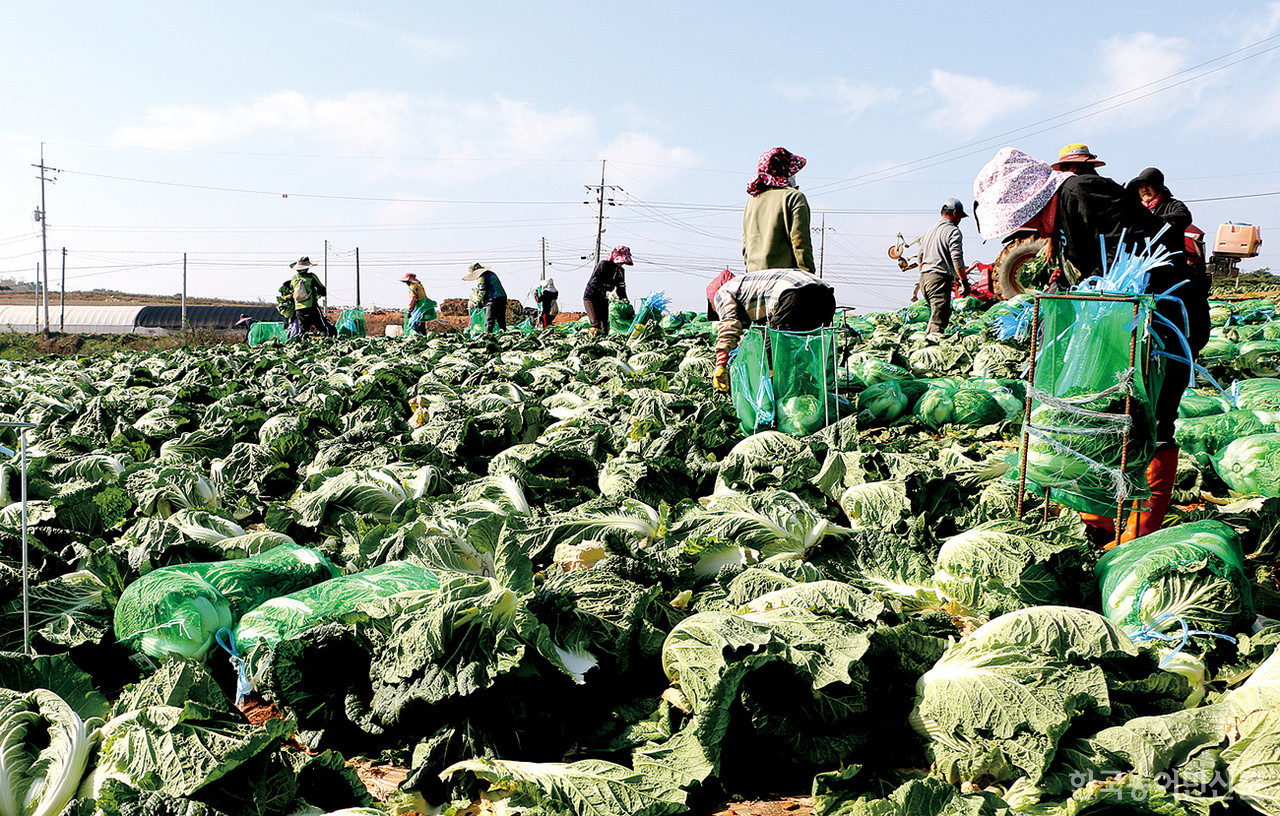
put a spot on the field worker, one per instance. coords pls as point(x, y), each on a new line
point(775, 223)
point(1084, 215)
point(417, 297)
point(785, 299)
point(942, 265)
point(608, 276)
point(306, 290)
point(548, 299)
point(488, 295)
point(716, 282)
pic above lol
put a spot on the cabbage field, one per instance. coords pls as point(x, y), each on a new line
point(547, 573)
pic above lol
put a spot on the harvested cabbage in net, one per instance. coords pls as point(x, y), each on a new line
point(975, 407)
point(935, 408)
point(1198, 405)
point(1203, 437)
point(1190, 574)
point(1251, 464)
point(1260, 394)
point(291, 614)
point(176, 611)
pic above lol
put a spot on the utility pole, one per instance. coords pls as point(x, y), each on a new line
point(326, 273)
point(62, 294)
point(822, 242)
point(357, 278)
point(600, 202)
point(544, 260)
point(185, 325)
point(44, 235)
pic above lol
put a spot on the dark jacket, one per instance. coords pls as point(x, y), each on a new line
point(607, 277)
point(1090, 205)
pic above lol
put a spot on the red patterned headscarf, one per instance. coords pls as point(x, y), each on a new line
point(621, 255)
point(776, 166)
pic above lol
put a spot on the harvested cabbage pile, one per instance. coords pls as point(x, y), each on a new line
point(177, 611)
point(1190, 574)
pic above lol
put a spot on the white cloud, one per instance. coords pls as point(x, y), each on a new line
point(1132, 66)
point(848, 98)
point(970, 104)
point(370, 121)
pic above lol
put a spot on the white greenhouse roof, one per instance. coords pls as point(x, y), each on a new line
point(78, 319)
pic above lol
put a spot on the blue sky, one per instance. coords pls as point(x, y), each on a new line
point(431, 135)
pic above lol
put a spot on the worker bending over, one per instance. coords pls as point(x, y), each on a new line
point(784, 299)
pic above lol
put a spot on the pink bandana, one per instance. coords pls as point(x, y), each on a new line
point(774, 169)
point(1011, 189)
point(621, 255)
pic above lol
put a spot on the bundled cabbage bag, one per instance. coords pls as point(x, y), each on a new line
point(1259, 358)
point(288, 615)
point(784, 380)
point(936, 407)
point(1189, 574)
point(1251, 464)
point(263, 331)
point(1198, 405)
point(1204, 437)
point(177, 611)
point(350, 323)
point(1087, 400)
point(1259, 394)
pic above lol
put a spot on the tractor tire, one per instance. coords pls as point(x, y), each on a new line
point(1009, 277)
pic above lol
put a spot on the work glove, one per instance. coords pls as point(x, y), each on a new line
point(721, 379)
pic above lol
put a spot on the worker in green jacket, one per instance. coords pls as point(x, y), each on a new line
point(775, 224)
point(305, 289)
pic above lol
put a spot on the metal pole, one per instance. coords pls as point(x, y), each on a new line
point(26, 599)
point(185, 326)
point(62, 294)
point(44, 240)
point(1128, 408)
point(599, 213)
point(46, 299)
point(326, 273)
point(26, 579)
point(1026, 408)
point(357, 277)
point(822, 244)
point(544, 260)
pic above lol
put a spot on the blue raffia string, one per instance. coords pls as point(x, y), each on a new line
point(243, 686)
point(1149, 633)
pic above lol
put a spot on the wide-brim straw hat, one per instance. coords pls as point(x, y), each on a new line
point(302, 263)
point(1076, 154)
point(409, 277)
point(475, 271)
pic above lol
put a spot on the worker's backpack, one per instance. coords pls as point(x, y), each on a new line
point(301, 289)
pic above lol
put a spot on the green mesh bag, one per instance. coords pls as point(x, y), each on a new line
point(262, 332)
point(177, 611)
point(423, 313)
point(477, 322)
point(292, 614)
point(1204, 437)
point(621, 313)
point(1192, 574)
point(786, 383)
point(350, 323)
point(1077, 424)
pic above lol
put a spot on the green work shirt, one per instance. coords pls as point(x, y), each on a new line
point(775, 231)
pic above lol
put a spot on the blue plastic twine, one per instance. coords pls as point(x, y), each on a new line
point(1149, 633)
point(243, 686)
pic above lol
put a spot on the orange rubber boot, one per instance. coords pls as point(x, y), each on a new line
point(1161, 475)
